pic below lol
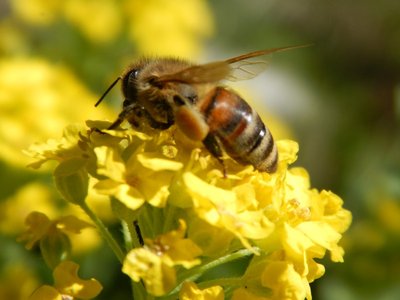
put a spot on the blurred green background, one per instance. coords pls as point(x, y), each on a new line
point(339, 98)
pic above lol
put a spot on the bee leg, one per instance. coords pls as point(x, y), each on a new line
point(213, 146)
point(116, 123)
point(127, 111)
point(112, 126)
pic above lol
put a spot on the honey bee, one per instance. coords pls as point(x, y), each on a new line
point(161, 92)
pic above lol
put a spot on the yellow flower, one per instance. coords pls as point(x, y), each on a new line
point(144, 176)
point(285, 282)
point(68, 284)
point(156, 271)
point(219, 208)
point(66, 148)
point(212, 240)
point(39, 225)
point(190, 291)
point(154, 263)
point(38, 12)
point(46, 292)
point(39, 106)
point(103, 25)
point(163, 27)
point(54, 243)
point(105, 20)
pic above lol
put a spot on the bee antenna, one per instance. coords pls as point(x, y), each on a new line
point(106, 92)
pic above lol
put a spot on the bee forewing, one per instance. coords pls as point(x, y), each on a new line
point(261, 52)
point(211, 72)
point(235, 68)
point(243, 70)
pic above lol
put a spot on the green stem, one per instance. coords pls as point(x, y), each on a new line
point(170, 212)
point(127, 236)
point(158, 217)
point(145, 222)
point(112, 243)
point(234, 281)
point(195, 273)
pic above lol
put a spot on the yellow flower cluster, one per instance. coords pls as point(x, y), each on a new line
point(35, 104)
point(155, 26)
point(179, 210)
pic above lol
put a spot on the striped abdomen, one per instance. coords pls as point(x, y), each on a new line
point(239, 129)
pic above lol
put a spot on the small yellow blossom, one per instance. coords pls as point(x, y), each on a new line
point(66, 148)
point(39, 225)
point(66, 280)
point(38, 12)
point(142, 178)
point(190, 291)
point(212, 240)
point(156, 271)
point(219, 208)
point(180, 250)
point(40, 106)
point(46, 292)
point(286, 283)
point(67, 285)
point(163, 27)
point(54, 242)
point(154, 263)
point(105, 20)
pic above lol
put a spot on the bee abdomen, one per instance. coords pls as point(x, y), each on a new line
point(240, 130)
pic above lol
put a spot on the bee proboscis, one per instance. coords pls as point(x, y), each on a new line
point(160, 92)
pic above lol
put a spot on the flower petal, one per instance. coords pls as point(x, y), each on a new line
point(190, 291)
point(46, 292)
point(66, 280)
point(72, 224)
point(38, 225)
point(153, 162)
point(285, 282)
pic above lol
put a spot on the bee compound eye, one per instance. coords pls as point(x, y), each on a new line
point(134, 74)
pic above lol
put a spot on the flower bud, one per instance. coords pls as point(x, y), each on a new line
point(71, 179)
point(55, 248)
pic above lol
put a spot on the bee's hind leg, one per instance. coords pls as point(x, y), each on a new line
point(213, 146)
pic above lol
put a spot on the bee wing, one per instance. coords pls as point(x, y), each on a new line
point(210, 72)
point(242, 68)
point(235, 68)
